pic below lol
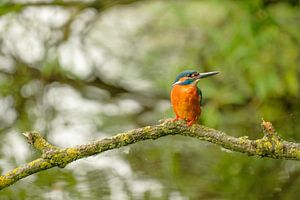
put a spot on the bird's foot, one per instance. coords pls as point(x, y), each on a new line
point(175, 119)
point(190, 123)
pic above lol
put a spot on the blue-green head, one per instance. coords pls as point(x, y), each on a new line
point(191, 77)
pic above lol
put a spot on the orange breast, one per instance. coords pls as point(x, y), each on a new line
point(186, 102)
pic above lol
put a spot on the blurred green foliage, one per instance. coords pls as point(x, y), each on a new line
point(129, 56)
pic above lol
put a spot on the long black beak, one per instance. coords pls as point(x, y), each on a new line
point(207, 74)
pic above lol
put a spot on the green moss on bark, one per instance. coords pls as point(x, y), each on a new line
point(271, 145)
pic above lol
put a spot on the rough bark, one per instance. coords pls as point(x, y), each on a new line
point(270, 145)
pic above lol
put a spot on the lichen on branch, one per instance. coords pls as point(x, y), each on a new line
point(271, 145)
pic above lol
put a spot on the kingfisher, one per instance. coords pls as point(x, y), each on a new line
point(186, 97)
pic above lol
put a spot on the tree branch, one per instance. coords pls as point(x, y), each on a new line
point(98, 5)
point(271, 145)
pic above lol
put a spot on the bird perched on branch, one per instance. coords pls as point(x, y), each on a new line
point(186, 97)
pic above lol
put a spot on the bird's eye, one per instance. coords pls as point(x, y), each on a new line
point(189, 75)
point(195, 74)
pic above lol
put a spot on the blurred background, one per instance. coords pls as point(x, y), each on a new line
point(77, 71)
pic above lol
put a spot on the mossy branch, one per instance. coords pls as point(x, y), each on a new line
point(271, 145)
